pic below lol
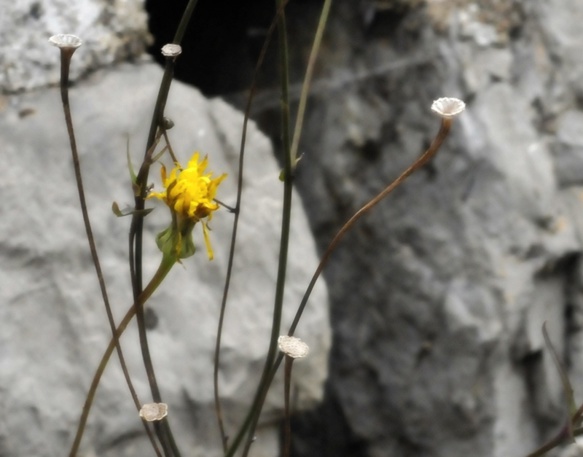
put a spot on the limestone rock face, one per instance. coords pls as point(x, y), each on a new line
point(439, 295)
point(112, 31)
point(53, 327)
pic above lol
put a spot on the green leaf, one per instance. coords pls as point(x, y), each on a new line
point(133, 176)
point(128, 210)
point(295, 164)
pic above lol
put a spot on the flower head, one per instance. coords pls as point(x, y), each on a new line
point(293, 347)
point(171, 50)
point(189, 193)
point(66, 41)
point(448, 106)
point(151, 412)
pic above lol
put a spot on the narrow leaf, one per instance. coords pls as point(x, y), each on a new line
point(128, 210)
point(133, 176)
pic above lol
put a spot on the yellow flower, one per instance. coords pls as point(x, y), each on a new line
point(189, 193)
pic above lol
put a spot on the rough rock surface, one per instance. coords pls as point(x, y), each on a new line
point(438, 297)
point(440, 294)
point(53, 327)
point(112, 31)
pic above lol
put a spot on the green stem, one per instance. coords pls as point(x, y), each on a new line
point(308, 79)
point(184, 21)
point(165, 266)
point(285, 227)
point(237, 211)
point(137, 226)
point(135, 253)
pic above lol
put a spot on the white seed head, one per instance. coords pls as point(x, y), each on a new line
point(154, 411)
point(66, 41)
point(293, 347)
point(171, 50)
point(448, 106)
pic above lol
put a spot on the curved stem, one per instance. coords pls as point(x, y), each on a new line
point(567, 432)
point(66, 55)
point(164, 268)
point(135, 253)
point(422, 160)
point(563, 434)
point(137, 226)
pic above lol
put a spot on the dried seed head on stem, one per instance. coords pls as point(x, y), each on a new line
point(66, 41)
point(151, 412)
point(293, 347)
point(448, 106)
point(171, 50)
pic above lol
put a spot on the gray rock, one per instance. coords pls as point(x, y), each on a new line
point(112, 31)
point(567, 147)
point(439, 295)
point(53, 328)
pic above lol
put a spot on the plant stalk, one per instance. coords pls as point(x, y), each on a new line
point(165, 266)
point(137, 227)
point(285, 226)
point(237, 212)
point(287, 413)
point(420, 162)
point(66, 55)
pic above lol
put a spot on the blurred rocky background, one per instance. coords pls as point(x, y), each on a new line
point(438, 297)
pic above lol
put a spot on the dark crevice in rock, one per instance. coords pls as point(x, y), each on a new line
point(532, 366)
point(370, 150)
point(36, 10)
point(544, 402)
point(324, 432)
point(573, 310)
point(221, 45)
point(225, 37)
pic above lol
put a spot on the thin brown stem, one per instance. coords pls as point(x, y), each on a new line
point(163, 270)
point(66, 55)
point(569, 431)
point(287, 414)
point(563, 434)
point(169, 146)
point(422, 160)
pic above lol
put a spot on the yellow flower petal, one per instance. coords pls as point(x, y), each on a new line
point(189, 193)
point(207, 241)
